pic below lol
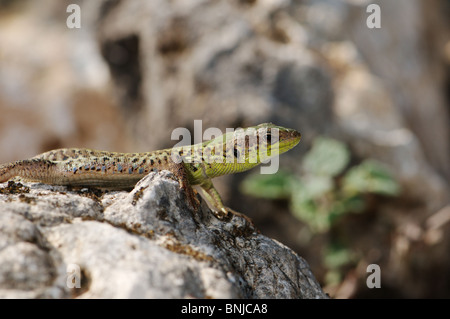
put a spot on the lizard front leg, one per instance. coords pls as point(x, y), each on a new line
point(213, 198)
point(215, 202)
point(179, 170)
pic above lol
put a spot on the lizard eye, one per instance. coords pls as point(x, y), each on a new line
point(269, 138)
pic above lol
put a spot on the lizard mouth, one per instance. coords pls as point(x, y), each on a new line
point(289, 139)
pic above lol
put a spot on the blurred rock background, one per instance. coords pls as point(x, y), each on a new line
point(136, 70)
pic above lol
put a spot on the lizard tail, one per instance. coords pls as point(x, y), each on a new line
point(32, 169)
point(6, 172)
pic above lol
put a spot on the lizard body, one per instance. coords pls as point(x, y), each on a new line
point(196, 164)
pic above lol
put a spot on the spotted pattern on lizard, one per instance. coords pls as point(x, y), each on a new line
point(197, 164)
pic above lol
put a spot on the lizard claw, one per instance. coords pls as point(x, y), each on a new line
point(223, 214)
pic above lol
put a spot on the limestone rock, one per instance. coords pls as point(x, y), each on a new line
point(144, 244)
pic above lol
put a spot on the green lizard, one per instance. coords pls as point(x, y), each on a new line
point(197, 164)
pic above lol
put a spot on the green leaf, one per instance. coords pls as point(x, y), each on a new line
point(316, 202)
point(326, 157)
point(370, 177)
point(312, 200)
point(313, 214)
point(335, 256)
point(271, 186)
point(316, 186)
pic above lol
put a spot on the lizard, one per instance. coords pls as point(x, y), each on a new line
point(192, 165)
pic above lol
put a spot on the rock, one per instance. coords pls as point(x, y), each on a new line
point(408, 57)
point(144, 244)
point(367, 118)
point(229, 64)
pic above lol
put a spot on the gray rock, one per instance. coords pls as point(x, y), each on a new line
point(227, 63)
point(144, 244)
point(367, 118)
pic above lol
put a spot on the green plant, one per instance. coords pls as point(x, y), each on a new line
point(335, 257)
point(325, 190)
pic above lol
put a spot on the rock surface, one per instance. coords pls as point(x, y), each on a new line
point(144, 244)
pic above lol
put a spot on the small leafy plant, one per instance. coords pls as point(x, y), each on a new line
point(327, 188)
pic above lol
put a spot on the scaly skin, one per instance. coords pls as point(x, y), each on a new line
point(197, 164)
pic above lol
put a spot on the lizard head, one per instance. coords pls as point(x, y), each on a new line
point(274, 140)
point(243, 149)
point(256, 144)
